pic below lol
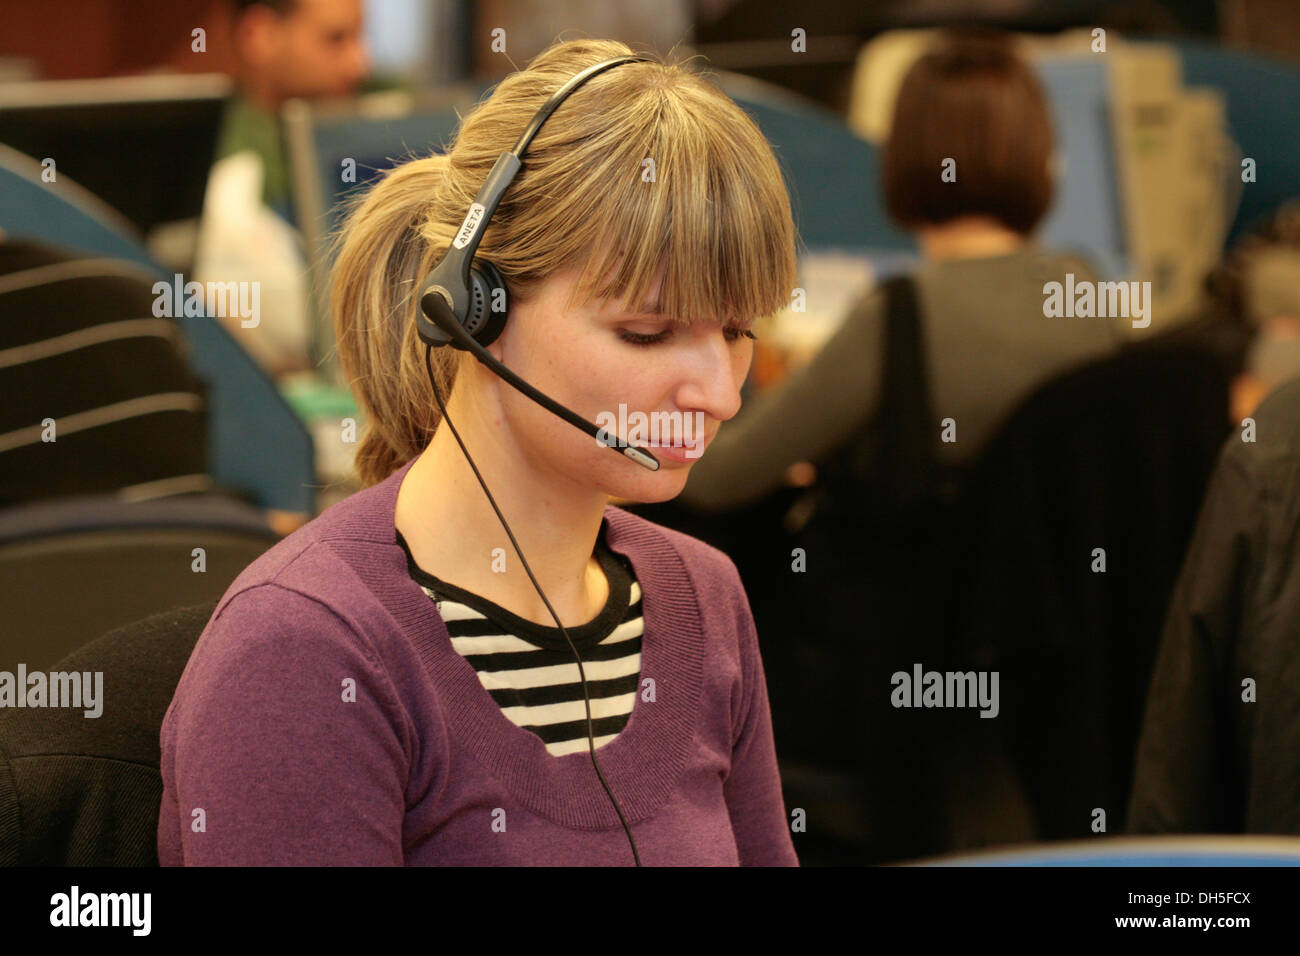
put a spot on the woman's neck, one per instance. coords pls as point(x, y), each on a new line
point(970, 237)
point(455, 535)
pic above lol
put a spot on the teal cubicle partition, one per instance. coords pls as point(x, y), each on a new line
point(257, 445)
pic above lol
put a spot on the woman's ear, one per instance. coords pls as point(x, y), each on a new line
point(258, 34)
point(497, 347)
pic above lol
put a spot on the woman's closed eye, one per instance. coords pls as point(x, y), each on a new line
point(733, 334)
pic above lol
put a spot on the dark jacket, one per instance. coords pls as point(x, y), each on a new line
point(1108, 463)
point(1209, 760)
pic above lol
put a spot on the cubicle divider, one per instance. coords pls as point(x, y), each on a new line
point(258, 446)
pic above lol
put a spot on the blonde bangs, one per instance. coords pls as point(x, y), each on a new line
point(715, 219)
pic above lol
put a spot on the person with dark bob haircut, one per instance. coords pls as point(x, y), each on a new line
point(972, 106)
point(975, 103)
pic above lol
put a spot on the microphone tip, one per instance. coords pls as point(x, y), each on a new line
point(641, 458)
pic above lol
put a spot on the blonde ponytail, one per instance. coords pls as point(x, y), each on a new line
point(383, 254)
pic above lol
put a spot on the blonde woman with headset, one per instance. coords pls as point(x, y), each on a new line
point(477, 659)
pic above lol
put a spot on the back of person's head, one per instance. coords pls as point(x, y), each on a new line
point(646, 172)
point(972, 107)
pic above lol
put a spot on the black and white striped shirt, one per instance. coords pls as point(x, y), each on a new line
point(530, 671)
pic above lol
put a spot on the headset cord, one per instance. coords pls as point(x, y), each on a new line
point(591, 740)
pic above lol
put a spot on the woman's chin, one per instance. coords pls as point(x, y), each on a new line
point(663, 485)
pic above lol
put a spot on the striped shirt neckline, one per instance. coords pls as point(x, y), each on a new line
point(616, 610)
point(528, 670)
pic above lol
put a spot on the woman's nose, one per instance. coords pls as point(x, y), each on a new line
point(717, 373)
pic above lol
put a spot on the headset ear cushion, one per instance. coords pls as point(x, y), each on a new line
point(489, 302)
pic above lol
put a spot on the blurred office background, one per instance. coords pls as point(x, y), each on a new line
point(140, 144)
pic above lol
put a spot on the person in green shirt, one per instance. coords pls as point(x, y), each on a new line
point(286, 49)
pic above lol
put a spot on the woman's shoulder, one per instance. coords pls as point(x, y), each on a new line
point(271, 653)
point(337, 568)
point(1053, 264)
point(1030, 262)
point(307, 595)
point(263, 625)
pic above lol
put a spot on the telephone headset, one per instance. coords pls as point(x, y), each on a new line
point(463, 303)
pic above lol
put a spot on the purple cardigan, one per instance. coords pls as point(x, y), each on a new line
point(325, 719)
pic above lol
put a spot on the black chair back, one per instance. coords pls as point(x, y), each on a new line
point(85, 791)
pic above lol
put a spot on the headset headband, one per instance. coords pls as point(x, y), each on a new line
point(508, 165)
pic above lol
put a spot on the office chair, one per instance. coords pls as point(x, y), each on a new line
point(74, 567)
point(79, 791)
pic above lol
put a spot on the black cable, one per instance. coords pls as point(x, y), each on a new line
point(591, 738)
